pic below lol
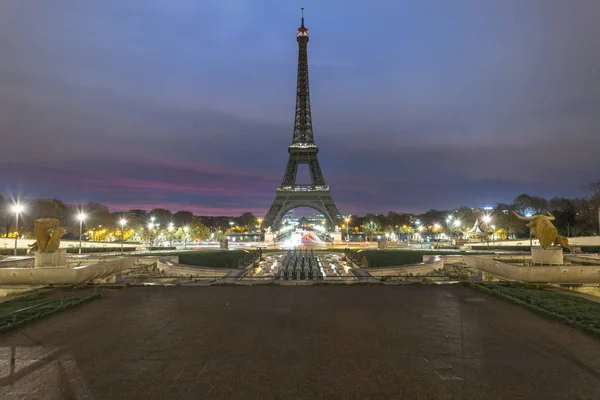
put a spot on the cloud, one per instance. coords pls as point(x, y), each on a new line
point(424, 104)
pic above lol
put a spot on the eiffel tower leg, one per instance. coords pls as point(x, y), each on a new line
point(291, 171)
point(316, 175)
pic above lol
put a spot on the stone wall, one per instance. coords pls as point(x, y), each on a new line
point(8, 243)
point(64, 276)
point(576, 274)
point(170, 267)
point(574, 241)
point(432, 264)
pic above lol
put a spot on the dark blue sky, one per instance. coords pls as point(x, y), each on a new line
point(189, 104)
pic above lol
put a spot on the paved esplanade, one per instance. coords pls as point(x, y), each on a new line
point(350, 342)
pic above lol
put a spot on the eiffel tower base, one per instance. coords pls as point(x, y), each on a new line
point(286, 200)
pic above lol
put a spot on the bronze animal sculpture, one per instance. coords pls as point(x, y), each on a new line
point(563, 242)
point(47, 234)
point(542, 229)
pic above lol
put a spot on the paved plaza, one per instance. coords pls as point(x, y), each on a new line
point(319, 342)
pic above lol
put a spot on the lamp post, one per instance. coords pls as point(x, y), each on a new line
point(448, 221)
point(17, 209)
point(122, 222)
point(457, 224)
point(185, 230)
point(347, 234)
point(171, 234)
point(81, 218)
point(150, 227)
point(259, 220)
point(487, 220)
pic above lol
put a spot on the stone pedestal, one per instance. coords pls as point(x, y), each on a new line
point(269, 237)
point(51, 259)
point(337, 236)
point(549, 256)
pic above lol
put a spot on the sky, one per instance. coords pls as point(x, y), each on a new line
point(189, 105)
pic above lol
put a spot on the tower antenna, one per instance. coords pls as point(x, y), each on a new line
point(302, 16)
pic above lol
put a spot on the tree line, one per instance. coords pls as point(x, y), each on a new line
point(574, 217)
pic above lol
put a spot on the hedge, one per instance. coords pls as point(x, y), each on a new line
point(6, 321)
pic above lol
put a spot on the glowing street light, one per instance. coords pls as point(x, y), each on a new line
point(81, 217)
point(122, 222)
point(17, 208)
point(185, 230)
point(171, 227)
point(259, 220)
point(487, 219)
point(457, 223)
point(347, 219)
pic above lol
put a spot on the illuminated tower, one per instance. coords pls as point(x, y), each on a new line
point(302, 151)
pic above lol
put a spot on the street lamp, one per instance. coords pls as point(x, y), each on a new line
point(171, 234)
point(185, 230)
point(81, 217)
point(17, 209)
point(150, 227)
point(420, 229)
point(347, 223)
point(122, 222)
point(259, 220)
point(487, 220)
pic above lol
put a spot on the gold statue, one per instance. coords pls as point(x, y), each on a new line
point(563, 242)
point(47, 234)
point(543, 230)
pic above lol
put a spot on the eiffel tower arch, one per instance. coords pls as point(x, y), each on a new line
point(289, 194)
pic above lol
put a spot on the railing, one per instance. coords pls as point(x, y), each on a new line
point(203, 280)
point(303, 188)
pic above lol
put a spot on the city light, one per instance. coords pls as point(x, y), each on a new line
point(123, 221)
point(17, 208)
point(457, 223)
point(487, 219)
point(81, 217)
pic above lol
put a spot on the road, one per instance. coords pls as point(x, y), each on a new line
point(319, 342)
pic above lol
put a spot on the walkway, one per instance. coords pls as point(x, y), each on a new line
point(274, 342)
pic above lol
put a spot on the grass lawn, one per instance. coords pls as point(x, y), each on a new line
point(387, 258)
point(36, 305)
point(581, 313)
point(212, 258)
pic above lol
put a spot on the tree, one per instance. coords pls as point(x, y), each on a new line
point(595, 201)
point(4, 217)
point(565, 214)
point(162, 216)
point(198, 231)
point(247, 220)
point(183, 218)
point(530, 205)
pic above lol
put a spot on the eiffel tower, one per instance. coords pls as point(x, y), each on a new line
point(302, 151)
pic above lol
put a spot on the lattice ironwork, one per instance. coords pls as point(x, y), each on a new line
point(302, 151)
